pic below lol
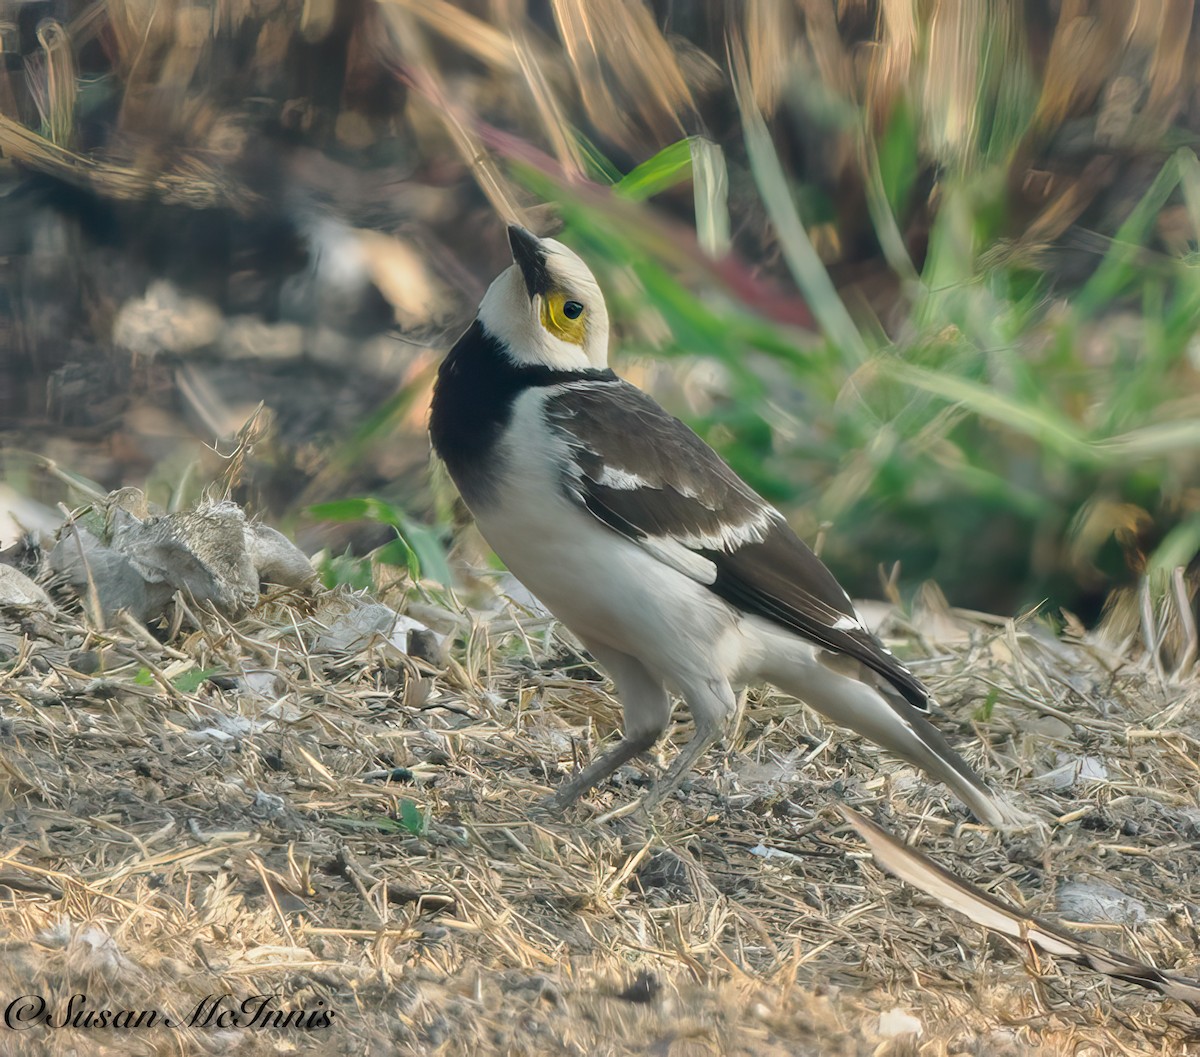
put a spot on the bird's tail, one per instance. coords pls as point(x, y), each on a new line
point(893, 724)
point(927, 748)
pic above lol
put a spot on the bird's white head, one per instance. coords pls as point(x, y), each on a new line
point(547, 309)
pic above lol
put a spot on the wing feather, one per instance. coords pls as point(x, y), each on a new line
point(649, 477)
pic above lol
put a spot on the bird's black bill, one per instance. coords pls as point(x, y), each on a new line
point(530, 258)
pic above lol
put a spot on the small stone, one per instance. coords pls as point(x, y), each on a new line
point(896, 1021)
point(424, 646)
point(166, 321)
point(16, 589)
point(277, 559)
point(1099, 901)
point(85, 662)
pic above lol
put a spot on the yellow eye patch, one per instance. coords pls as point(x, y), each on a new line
point(563, 317)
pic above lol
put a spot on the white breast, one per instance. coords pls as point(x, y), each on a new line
point(604, 587)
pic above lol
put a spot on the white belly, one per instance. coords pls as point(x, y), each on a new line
point(608, 590)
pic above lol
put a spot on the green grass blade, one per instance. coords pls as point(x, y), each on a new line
point(397, 552)
point(1178, 548)
point(596, 164)
point(802, 259)
point(431, 555)
point(710, 188)
point(896, 157)
point(1119, 268)
point(670, 166)
point(352, 510)
point(1189, 184)
point(886, 188)
point(1152, 442)
point(416, 547)
point(1046, 427)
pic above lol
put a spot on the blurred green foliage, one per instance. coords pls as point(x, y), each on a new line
point(1013, 442)
point(416, 548)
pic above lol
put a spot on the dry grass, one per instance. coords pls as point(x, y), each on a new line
point(161, 846)
point(1115, 81)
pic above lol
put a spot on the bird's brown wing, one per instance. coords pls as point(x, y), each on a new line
point(649, 477)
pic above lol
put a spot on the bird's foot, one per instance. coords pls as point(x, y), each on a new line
point(552, 806)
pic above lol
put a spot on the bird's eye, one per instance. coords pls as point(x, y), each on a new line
point(563, 319)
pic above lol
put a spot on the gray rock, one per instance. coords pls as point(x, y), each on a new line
point(360, 621)
point(1099, 901)
point(277, 559)
point(213, 554)
point(16, 589)
point(202, 553)
point(87, 563)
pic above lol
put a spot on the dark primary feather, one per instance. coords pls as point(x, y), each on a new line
point(690, 495)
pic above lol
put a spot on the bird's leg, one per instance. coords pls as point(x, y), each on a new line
point(647, 710)
point(711, 705)
point(596, 771)
point(703, 740)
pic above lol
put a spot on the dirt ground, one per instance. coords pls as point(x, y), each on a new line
point(244, 812)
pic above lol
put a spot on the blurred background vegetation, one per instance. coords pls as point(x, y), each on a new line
point(926, 272)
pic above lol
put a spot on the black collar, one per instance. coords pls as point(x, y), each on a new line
point(473, 398)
